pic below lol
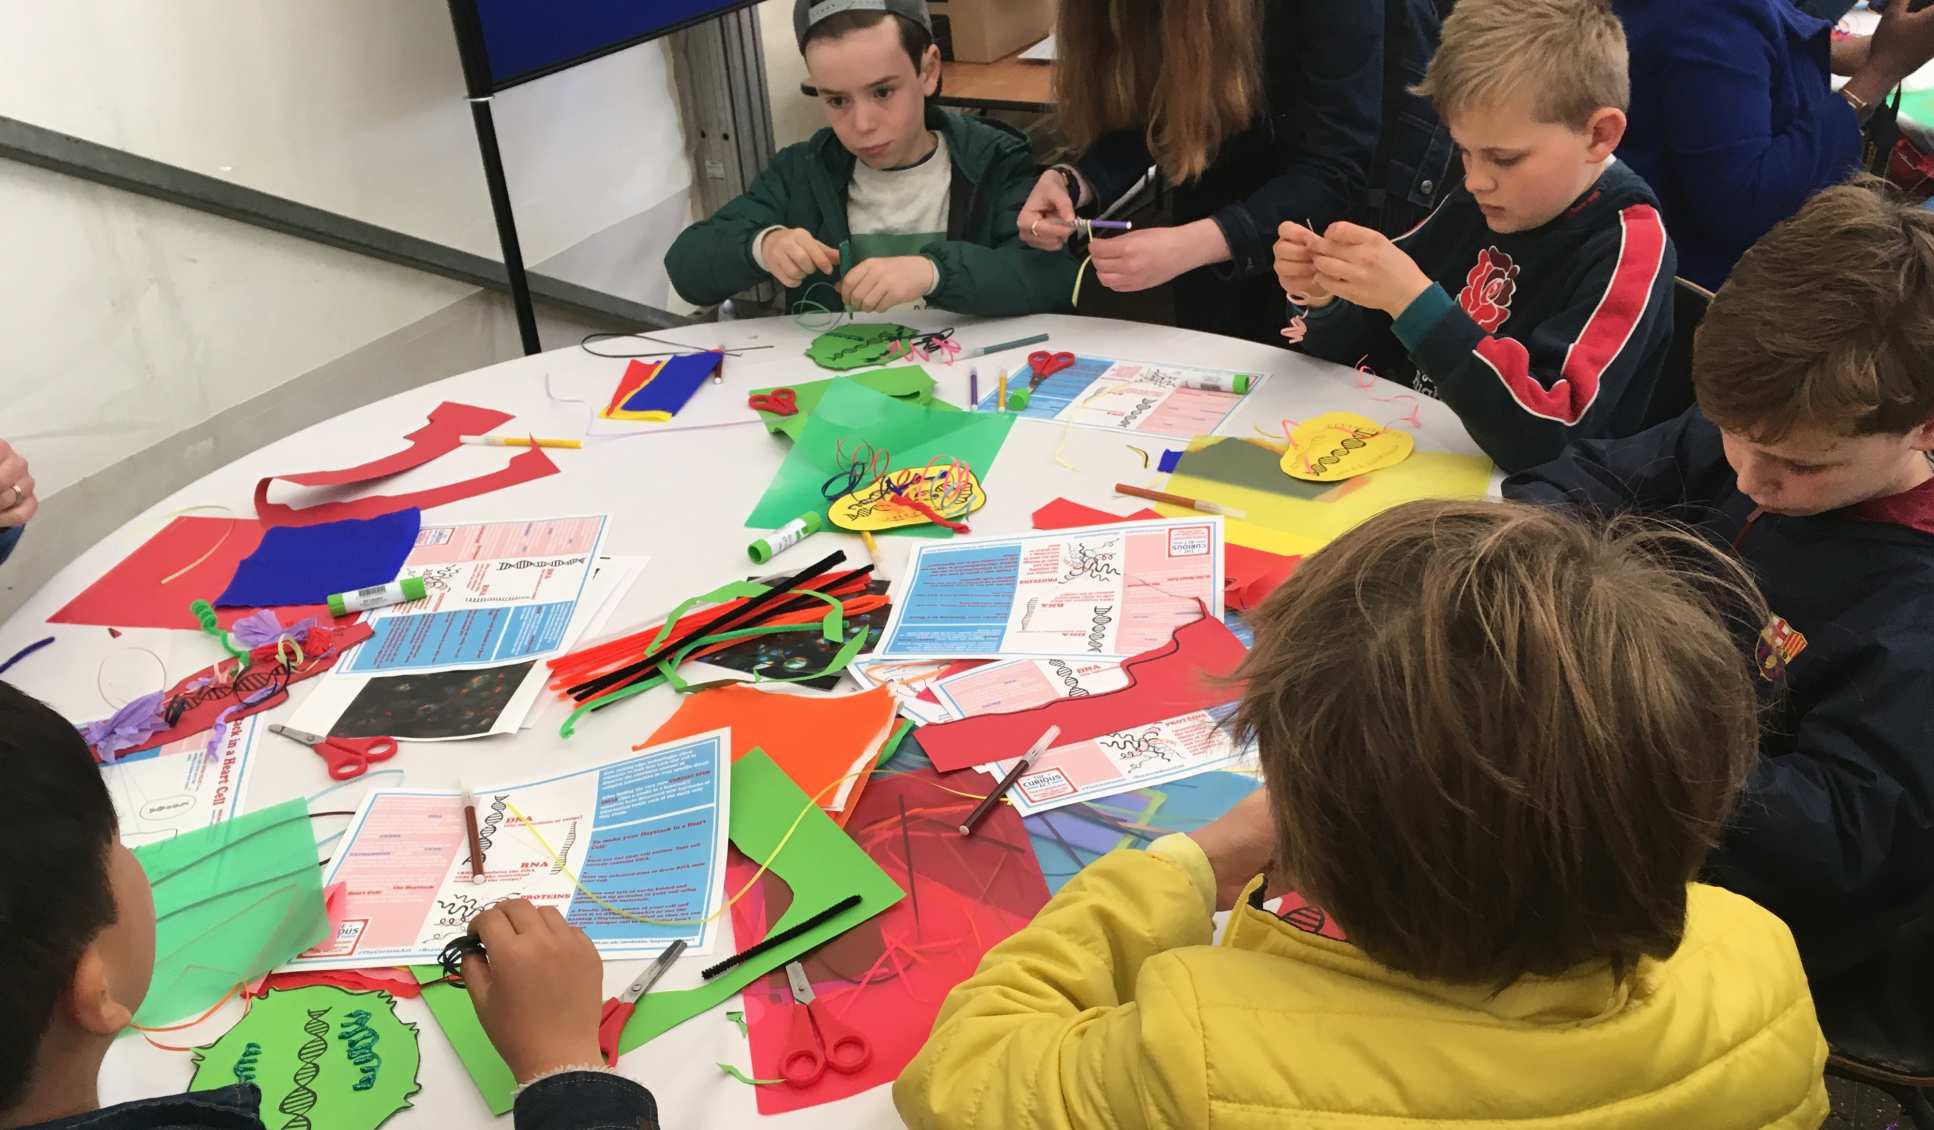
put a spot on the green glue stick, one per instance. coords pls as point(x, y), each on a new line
point(785, 537)
point(1018, 399)
point(1237, 383)
point(377, 596)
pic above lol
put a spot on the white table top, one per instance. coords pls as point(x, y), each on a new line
point(681, 498)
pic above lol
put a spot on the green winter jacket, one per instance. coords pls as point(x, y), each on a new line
point(984, 266)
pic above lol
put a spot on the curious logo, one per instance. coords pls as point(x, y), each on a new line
point(1489, 288)
point(1779, 645)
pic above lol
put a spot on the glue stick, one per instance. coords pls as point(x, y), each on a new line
point(377, 596)
point(785, 537)
point(1237, 383)
point(1017, 401)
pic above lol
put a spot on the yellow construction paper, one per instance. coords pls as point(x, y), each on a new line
point(1284, 523)
point(1342, 445)
point(938, 486)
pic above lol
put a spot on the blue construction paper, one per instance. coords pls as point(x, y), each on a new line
point(674, 383)
point(1168, 461)
point(309, 564)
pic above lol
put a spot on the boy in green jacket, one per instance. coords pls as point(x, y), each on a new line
point(893, 202)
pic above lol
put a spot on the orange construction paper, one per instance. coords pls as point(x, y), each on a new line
point(815, 740)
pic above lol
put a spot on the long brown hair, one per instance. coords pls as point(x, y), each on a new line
point(1500, 740)
point(1188, 72)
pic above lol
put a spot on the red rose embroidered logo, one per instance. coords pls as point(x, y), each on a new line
point(1779, 645)
point(1489, 288)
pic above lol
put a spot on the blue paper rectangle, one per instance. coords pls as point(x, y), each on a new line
point(309, 564)
point(674, 383)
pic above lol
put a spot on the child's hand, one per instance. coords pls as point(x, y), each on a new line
point(1240, 845)
point(539, 992)
point(1142, 260)
point(792, 253)
point(1296, 265)
point(1047, 219)
point(881, 284)
point(1361, 265)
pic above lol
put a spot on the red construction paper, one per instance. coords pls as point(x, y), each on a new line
point(1186, 674)
point(635, 377)
point(449, 423)
point(204, 695)
point(527, 465)
point(814, 740)
point(1248, 575)
point(200, 554)
point(395, 982)
point(887, 976)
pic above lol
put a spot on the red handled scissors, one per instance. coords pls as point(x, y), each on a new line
point(1044, 365)
point(619, 1009)
point(777, 401)
point(816, 1042)
point(347, 757)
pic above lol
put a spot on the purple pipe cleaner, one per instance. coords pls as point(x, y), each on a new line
point(258, 628)
point(129, 727)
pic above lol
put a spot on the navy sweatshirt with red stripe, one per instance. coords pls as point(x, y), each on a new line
point(1835, 829)
point(1554, 334)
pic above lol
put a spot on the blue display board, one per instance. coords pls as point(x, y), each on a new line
point(519, 40)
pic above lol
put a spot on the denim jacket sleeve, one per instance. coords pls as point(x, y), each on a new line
point(9, 538)
point(585, 1100)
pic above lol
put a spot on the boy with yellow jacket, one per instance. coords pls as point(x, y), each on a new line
point(1496, 779)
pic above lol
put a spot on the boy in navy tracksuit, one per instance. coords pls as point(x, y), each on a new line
point(1808, 454)
point(1536, 299)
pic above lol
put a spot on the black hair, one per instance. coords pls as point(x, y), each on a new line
point(55, 894)
point(913, 37)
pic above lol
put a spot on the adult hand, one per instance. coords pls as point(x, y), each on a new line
point(1361, 265)
point(1240, 844)
point(881, 284)
point(792, 253)
point(18, 503)
point(1902, 43)
point(1296, 265)
point(1047, 219)
point(1140, 260)
point(539, 990)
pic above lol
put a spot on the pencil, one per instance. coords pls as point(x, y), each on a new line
point(988, 802)
point(1201, 504)
point(519, 441)
point(470, 833)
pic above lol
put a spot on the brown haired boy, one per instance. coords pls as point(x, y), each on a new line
point(1555, 254)
point(1497, 744)
point(1808, 455)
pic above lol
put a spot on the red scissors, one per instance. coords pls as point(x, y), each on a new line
point(347, 757)
point(778, 401)
point(619, 1009)
point(1044, 365)
point(816, 1042)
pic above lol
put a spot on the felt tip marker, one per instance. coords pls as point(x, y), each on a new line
point(785, 537)
point(476, 840)
point(377, 596)
point(993, 798)
point(520, 441)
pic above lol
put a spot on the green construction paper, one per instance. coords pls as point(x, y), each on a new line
point(232, 901)
point(821, 864)
point(322, 1056)
point(902, 382)
point(911, 434)
point(738, 1018)
point(857, 344)
point(892, 745)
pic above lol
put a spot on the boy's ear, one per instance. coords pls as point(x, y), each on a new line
point(90, 1002)
point(930, 71)
point(1603, 131)
point(1922, 437)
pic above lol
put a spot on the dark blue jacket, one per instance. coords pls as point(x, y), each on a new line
point(1307, 158)
point(9, 538)
point(1733, 122)
point(1835, 829)
point(575, 1100)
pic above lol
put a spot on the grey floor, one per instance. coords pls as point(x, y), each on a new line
point(1859, 1108)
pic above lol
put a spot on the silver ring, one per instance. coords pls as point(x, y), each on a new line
point(1034, 229)
point(19, 496)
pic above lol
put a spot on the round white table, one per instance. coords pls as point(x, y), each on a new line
point(679, 497)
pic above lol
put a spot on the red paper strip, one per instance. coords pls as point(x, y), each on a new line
point(395, 982)
point(449, 423)
point(1248, 574)
point(190, 559)
point(526, 466)
point(1186, 674)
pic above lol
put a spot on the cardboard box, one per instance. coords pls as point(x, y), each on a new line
point(983, 31)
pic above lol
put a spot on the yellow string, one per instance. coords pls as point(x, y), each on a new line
point(558, 862)
point(1076, 300)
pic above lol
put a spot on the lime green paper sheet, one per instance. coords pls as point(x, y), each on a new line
point(322, 1056)
point(1289, 516)
point(849, 414)
point(821, 864)
point(907, 383)
point(857, 344)
point(232, 901)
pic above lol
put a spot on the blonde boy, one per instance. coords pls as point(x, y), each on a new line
point(1536, 300)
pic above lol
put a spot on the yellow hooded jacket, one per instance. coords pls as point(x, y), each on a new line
point(1114, 1010)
